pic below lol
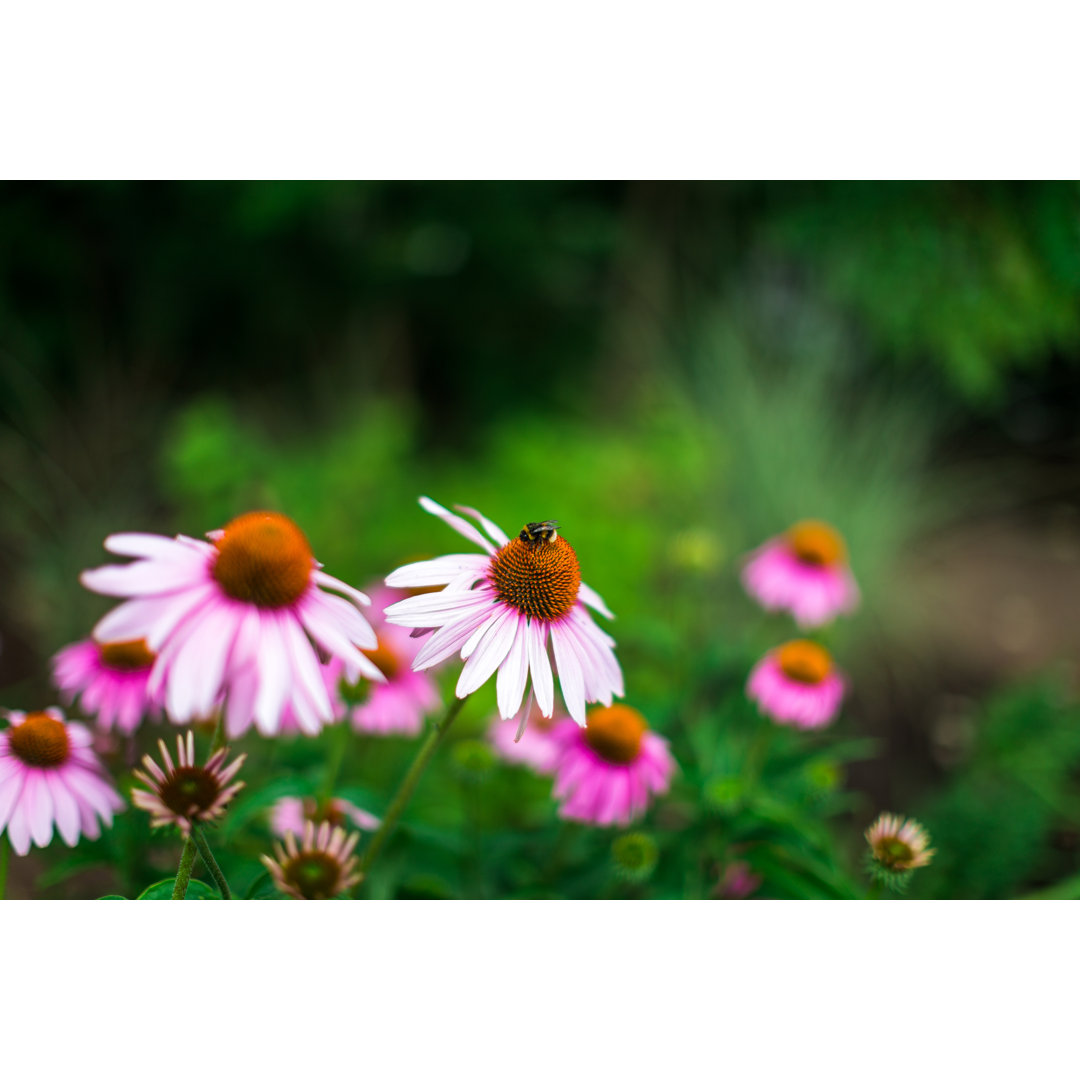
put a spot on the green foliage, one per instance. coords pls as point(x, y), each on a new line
point(163, 890)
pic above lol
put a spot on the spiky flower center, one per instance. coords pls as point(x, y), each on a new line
point(263, 559)
point(614, 732)
point(127, 655)
point(314, 874)
point(539, 577)
point(40, 740)
point(804, 662)
point(816, 544)
point(190, 790)
point(892, 852)
point(385, 659)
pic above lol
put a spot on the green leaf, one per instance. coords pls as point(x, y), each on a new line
point(163, 890)
point(112, 896)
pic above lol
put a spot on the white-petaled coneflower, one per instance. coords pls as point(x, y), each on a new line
point(897, 847)
point(321, 867)
point(498, 611)
point(184, 792)
point(805, 572)
point(240, 618)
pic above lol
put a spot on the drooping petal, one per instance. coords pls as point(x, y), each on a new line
point(513, 672)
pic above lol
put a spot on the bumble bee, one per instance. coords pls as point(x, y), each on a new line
point(539, 532)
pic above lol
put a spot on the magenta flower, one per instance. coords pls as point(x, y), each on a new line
point(797, 684)
point(537, 749)
point(805, 571)
point(498, 609)
point(238, 619)
point(607, 770)
point(49, 775)
point(289, 815)
point(112, 681)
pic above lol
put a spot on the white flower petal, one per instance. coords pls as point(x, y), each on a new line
point(460, 525)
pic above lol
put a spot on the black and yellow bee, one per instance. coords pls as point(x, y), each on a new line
point(539, 532)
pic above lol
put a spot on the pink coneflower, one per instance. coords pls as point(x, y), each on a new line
point(805, 571)
point(289, 815)
point(238, 618)
point(185, 792)
point(537, 749)
point(112, 680)
point(607, 770)
point(797, 684)
point(497, 610)
point(898, 845)
point(320, 868)
point(49, 774)
point(398, 705)
point(737, 882)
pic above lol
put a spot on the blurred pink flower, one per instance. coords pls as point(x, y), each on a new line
point(238, 618)
point(290, 814)
point(797, 684)
point(496, 611)
point(607, 770)
point(185, 792)
point(111, 680)
point(805, 571)
point(49, 775)
point(737, 882)
point(537, 749)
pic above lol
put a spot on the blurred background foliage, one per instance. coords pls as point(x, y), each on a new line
point(675, 372)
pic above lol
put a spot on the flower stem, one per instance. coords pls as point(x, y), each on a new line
point(219, 733)
point(874, 891)
point(5, 851)
point(183, 871)
point(408, 785)
point(211, 862)
point(338, 746)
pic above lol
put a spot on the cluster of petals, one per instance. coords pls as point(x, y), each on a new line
point(795, 701)
point(259, 659)
point(291, 814)
point(49, 776)
point(116, 695)
point(468, 616)
point(813, 592)
point(396, 706)
point(595, 789)
point(184, 792)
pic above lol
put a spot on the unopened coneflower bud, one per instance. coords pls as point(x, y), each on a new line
point(897, 847)
point(183, 792)
point(634, 857)
point(321, 867)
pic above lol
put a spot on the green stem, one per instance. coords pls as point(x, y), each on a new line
point(5, 851)
point(211, 862)
point(219, 733)
point(183, 871)
point(874, 892)
point(338, 746)
point(412, 778)
point(757, 755)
